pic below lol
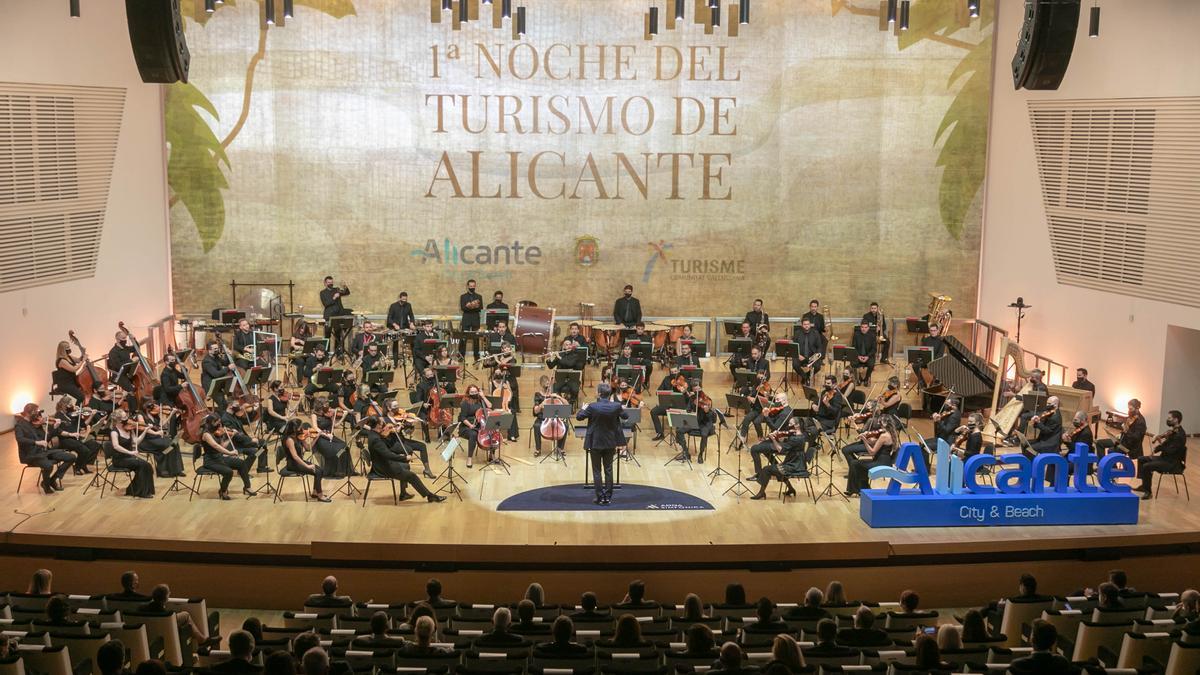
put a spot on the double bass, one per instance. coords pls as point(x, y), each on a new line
point(143, 377)
point(191, 401)
point(90, 378)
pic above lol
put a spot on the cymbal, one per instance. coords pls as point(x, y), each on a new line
point(587, 323)
point(673, 323)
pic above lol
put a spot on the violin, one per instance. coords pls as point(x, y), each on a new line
point(631, 398)
point(870, 436)
point(679, 383)
point(309, 434)
point(763, 392)
point(703, 401)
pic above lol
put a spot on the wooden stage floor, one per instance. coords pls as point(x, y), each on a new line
point(472, 532)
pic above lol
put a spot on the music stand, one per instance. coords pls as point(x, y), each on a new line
point(215, 384)
point(692, 373)
point(640, 348)
point(732, 328)
point(679, 420)
point(918, 358)
point(632, 417)
point(326, 376)
point(738, 402)
point(557, 411)
point(446, 374)
point(339, 328)
point(313, 342)
point(380, 377)
point(791, 351)
point(740, 345)
point(634, 375)
point(1032, 403)
point(451, 474)
point(564, 376)
point(500, 423)
point(916, 326)
point(744, 378)
point(493, 316)
point(231, 315)
point(256, 376)
point(698, 348)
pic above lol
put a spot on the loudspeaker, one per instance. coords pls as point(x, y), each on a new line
point(1045, 44)
point(156, 34)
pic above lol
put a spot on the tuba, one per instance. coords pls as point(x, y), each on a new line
point(939, 311)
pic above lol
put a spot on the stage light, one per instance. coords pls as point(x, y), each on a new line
point(1094, 22)
point(462, 11)
point(716, 16)
point(654, 21)
point(210, 6)
point(973, 8)
point(891, 11)
point(269, 8)
point(506, 9)
point(904, 14)
point(75, 8)
point(679, 10)
point(487, 2)
point(744, 12)
point(447, 5)
point(521, 21)
point(288, 9)
point(714, 4)
point(19, 399)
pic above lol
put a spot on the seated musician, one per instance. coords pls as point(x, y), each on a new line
point(876, 447)
point(1168, 453)
point(757, 361)
point(32, 431)
point(215, 366)
point(119, 360)
point(757, 395)
point(294, 445)
point(1049, 427)
point(543, 396)
point(364, 405)
point(968, 440)
point(171, 380)
point(334, 452)
point(640, 365)
point(827, 410)
point(243, 344)
point(1080, 432)
point(847, 386)
point(685, 337)
point(104, 399)
point(1035, 386)
point(426, 385)
point(776, 417)
point(443, 359)
point(469, 426)
point(276, 412)
point(947, 420)
point(686, 357)
point(363, 338)
point(1133, 434)
point(673, 383)
point(573, 335)
point(220, 457)
point(935, 341)
point(500, 387)
point(810, 345)
point(571, 357)
point(66, 371)
point(159, 440)
point(738, 359)
point(865, 343)
point(756, 316)
point(423, 341)
point(237, 419)
point(388, 461)
point(373, 360)
point(312, 366)
point(793, 443)
point(499, 337)
point(301, 332)
point(891, 398)
point(706, 419)
point(74, 432)
point(402, 423)
point(347, 394)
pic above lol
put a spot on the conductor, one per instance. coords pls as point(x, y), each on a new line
point(604, 436)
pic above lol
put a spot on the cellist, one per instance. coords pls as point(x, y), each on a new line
point(468, 424)
point(541, 397)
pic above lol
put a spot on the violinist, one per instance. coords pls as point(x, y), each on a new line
point(686, 357)
point(347, 394)
point(312, 366)
point(125, 442)
point(947, 420)
point(388, 461)
point(221, 458)
point(1049, 426)
point(158, 439)
point(171, 379)
point(865, 343)
point(1168, 453)
point(213, 367)
point(541, 397)
point(401, 422)
point(673, 383)
point(874, 448)
point(104, 400)
point(297, 438)
point(793, 443)
point(757, 396)
point(570, 358)
point(828, 407)
point(468, 424)
point(74, 433)
point(325, 418)
point(811, 349)
point(120, 356)
point(846, 386)
point(968, 440)
point(641, 367)
point(1079, 432)
point(277, 412)
point(706, 418)
point(756, 316)
point(66, 372)
point(776, 417)
point(243, 344)
point(31, 428)
point(1133, 434)
point(237, 420)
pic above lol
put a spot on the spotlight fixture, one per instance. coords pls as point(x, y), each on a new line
point(714, 4)
point(521, 21)
point(904, 4)
point(679, 10)
point(891, 11)
point(75, 8)
point(269, 7)
point(973, 8)
point(654, 21)
point(220, 2)
point(744, 12)
point(1094, 22)
point(288, 8)
point(447, 5)
point(210, 6)
point(487, 2)
point(462, 11)
point(505, 8)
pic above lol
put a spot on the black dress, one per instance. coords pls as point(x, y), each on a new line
point(333, 451)
point(64, 381)
point(142, 483)
point(298, 468)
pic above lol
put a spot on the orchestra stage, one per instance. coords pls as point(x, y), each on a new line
point(471, 535)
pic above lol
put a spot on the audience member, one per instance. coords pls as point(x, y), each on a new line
point(253, 626)
point(57, 611)
point(241, 655)
point(1026, 592)
point(909, 602)
point(693, 609)
point(636, 597)
point(699, 642)
point(433, 593)
point(302, 643)
point(379, 638)
point(974, 629)
point(328, 597)
point(151, 667)
point(40, 583)
point(279, 663)
point(811, 610)
point(536, 594)
point(835, 595)
point(864, 633)
point(730, 659)
point(1043, 660)
point(424, 632)
point(827, 644)
point(785, 652)
point(735, 597)
point(129, 586)
point(419, 610)
point(767, 621)
point(315, 662)
point(1109, 595)
point(628, 634)
point(589, 604)
point(928, 656)
point(110, 658)
point(500, 634)
point(1188, 608)
point(561, 645)
point(949, 637)
point(158, 605)
point(526, 620)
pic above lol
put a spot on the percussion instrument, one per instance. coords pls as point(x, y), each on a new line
point(534, 328)
point(659, 335)
point(585, 328)
point(674, 328)
point(608, 336)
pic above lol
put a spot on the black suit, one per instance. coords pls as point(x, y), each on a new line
point(1169, 456)
point(118, 357)
point(236, 667)
point(333, 307)
point(400, 316)
point(604, 435)
point(470, 321)
point(32, 454)
point(865, 344)
point(755, 319)
point(1042, 663)
point(627, 311)
point(215, 366)
point(386, 461)
point(809, 345)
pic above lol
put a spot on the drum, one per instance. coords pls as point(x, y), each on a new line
point(608, 336)
point(674, 328)
point(658, 333)
point(534, 328)
point(585, 328)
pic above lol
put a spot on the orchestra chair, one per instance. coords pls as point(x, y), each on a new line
point(199, 471)
point(133, 636)
point(565, 662)
point(1184, 658)
point(24, 468)
point(45, 660)
point(887, 657)
point(903, 417)
point(71, 628)
point(82, 650)
point(1006, 655)
point(588, 669)
point(1122, 615)
point(396, 611)
point(283, 472)
point(12, 665)
point(104, 477)
point(1175, 476)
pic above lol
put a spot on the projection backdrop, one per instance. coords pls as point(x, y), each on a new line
point(815, 154)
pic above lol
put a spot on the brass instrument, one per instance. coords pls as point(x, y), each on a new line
point(828, 321)
point(939, 312)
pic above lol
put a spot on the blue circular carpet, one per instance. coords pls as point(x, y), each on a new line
point(629, 497)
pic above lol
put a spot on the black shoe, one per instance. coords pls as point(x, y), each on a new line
point(605, 502)
point(598, 500)
point(658, 438)
point(248, 492)
point(57, 484)
point(405, 496)
point(322, 498)
point(700, 458)
point(1146, 495)
point(47, 487)
point(224, 496)
point(433, 499)
point(790, 493)
point(428, 474)
point(762, 494)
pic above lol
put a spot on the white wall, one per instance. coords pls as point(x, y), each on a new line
point(1145, 48)
point(41, 43)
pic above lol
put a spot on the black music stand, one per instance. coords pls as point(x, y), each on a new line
point(789, 351)
point(494, 316)
point(738, 402)
point(732, 328)
point(313, 342)
point(231, 315)
point(451, 474)
point(918, 358)
point(640, 348)
point(446, 374)
point(379, 379)
point(215, 384)
point(698, 348)
point(563, 376)
point(632, 417)
point(634, 375)
point(744, 378)
point(501, 423)
point(557, 411)
point(916, 326)
point(685, 422)
point(741, 345)
point(326, 376)
point(845, 355)
point(692, 373)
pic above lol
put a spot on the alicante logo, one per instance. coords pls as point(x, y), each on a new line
point(1049, 490)
point(587, 250)
point(450, 253)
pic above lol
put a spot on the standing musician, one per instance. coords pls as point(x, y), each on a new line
point(497, 301)
point(400, 316)
point(1133, 434)
point(74, 433)
point(296, 436)
point(333, 450)
point(776, 417)
point(811, 345)
point(673, 383)
point(215, 366)
point(687, 358)
point(828, 408)
point(814, 316)
point(159, 428)
point(756, 316)
point(947, 420)
point(331, 300)
point(1167, 455)
point(627, 310)
point(541, 397)
point(642, 368)
point(125, 442)
point(470, 304)
point(469, 426)
point(277, 412)
point(401, 422)
point(874, 448)
point(387, 461)
point(32, 430)
point(237, 420)
point(570, 358)
point(865, 342)
point(875, 319)
point(1082, 381)
point(66, 372)
point(793, 443)
point(363, 338)
point(604, 435)
point(422, 345)
point(121, 355)
point(968, 440)
point(243, 344)
point(758, 396)
point(220, 457)
point(706, 418)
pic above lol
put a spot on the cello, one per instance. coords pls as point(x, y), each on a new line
point(143, 378)
point(191, 400)
point(90, 378)
point(553, 428)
